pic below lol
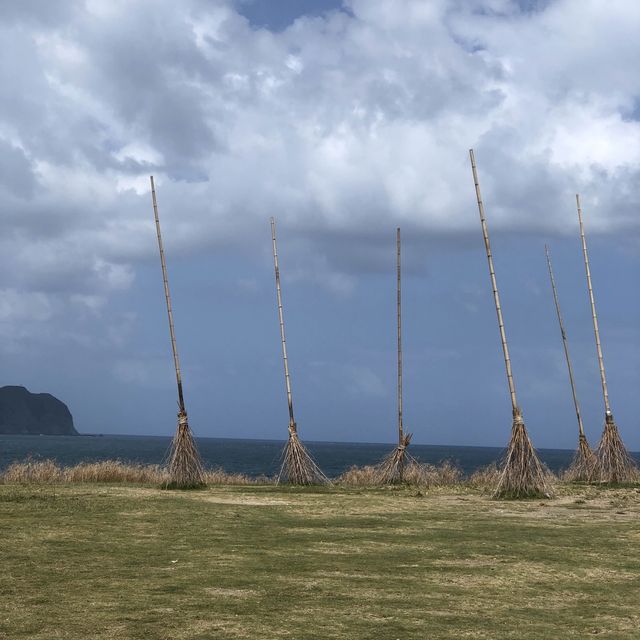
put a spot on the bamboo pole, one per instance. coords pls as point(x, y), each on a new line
point(287, 379)
point(613, 462)
point(564, 343)
point(603, 379)
point(400, 425)
point(398, 463)
point(185, 465)
point(167, 295)
point(298, 467)
point(522, 474)
point(494, 286)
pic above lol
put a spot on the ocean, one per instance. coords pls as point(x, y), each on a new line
point(251, 457)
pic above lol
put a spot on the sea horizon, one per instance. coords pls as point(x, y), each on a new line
point(250, 456)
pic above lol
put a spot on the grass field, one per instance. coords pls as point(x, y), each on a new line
point(262, 562)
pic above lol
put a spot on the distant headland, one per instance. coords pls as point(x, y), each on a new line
point(23, 412)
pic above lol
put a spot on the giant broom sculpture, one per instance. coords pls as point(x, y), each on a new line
point(185, 465)
point(582, 466)
point(613, 462)
point(298, 467)
point(392, 468)
point(522, 475)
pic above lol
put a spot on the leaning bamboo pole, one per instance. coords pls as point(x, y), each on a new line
point(583, 464)
point(185, 465)
point(522, 474)
point(613, 462)
point(399, 316)
point(392, 468)
point(298, 467)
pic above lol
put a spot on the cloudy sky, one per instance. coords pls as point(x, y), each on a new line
point(343, 119)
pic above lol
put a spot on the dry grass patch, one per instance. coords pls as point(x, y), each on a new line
point(112, 471)
point(445, 474)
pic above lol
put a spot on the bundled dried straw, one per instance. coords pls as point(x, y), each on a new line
point(613, 462)
point(522, 475)
point(298, 467)
point(397, 464)
point(185, 465)
point(583, 465)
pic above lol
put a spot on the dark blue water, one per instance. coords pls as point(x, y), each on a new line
point(252, 457)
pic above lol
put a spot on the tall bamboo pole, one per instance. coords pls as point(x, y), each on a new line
point(522, 474)
point(185, 465)
point(287, 379)
point(613, 462)
point(167, 295)
point(400, 426)
point(392, 468)
point(298, 467)
point(494, 286)
point(564, 343)
point(603, 379)
point(401, 439)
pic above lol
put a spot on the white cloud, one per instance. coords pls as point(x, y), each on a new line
point(18, 307)
point(348, 123)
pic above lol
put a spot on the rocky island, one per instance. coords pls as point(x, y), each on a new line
point(23, 412)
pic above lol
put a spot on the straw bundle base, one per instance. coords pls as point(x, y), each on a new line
point(185, 465)
point(522, 475)
point(393, 469)
point(583, 465)
point(614, 465)
point(298, 467)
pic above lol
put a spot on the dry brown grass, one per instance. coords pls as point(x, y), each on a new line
point(49, 472)
point(445, 474)
point(486, 478)
point(221, 477)
point(40, 472)
point(359, 476)
point(114, 471)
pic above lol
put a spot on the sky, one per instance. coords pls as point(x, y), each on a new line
point(344, 120)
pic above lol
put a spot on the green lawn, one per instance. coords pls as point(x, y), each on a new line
point(97, 561)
